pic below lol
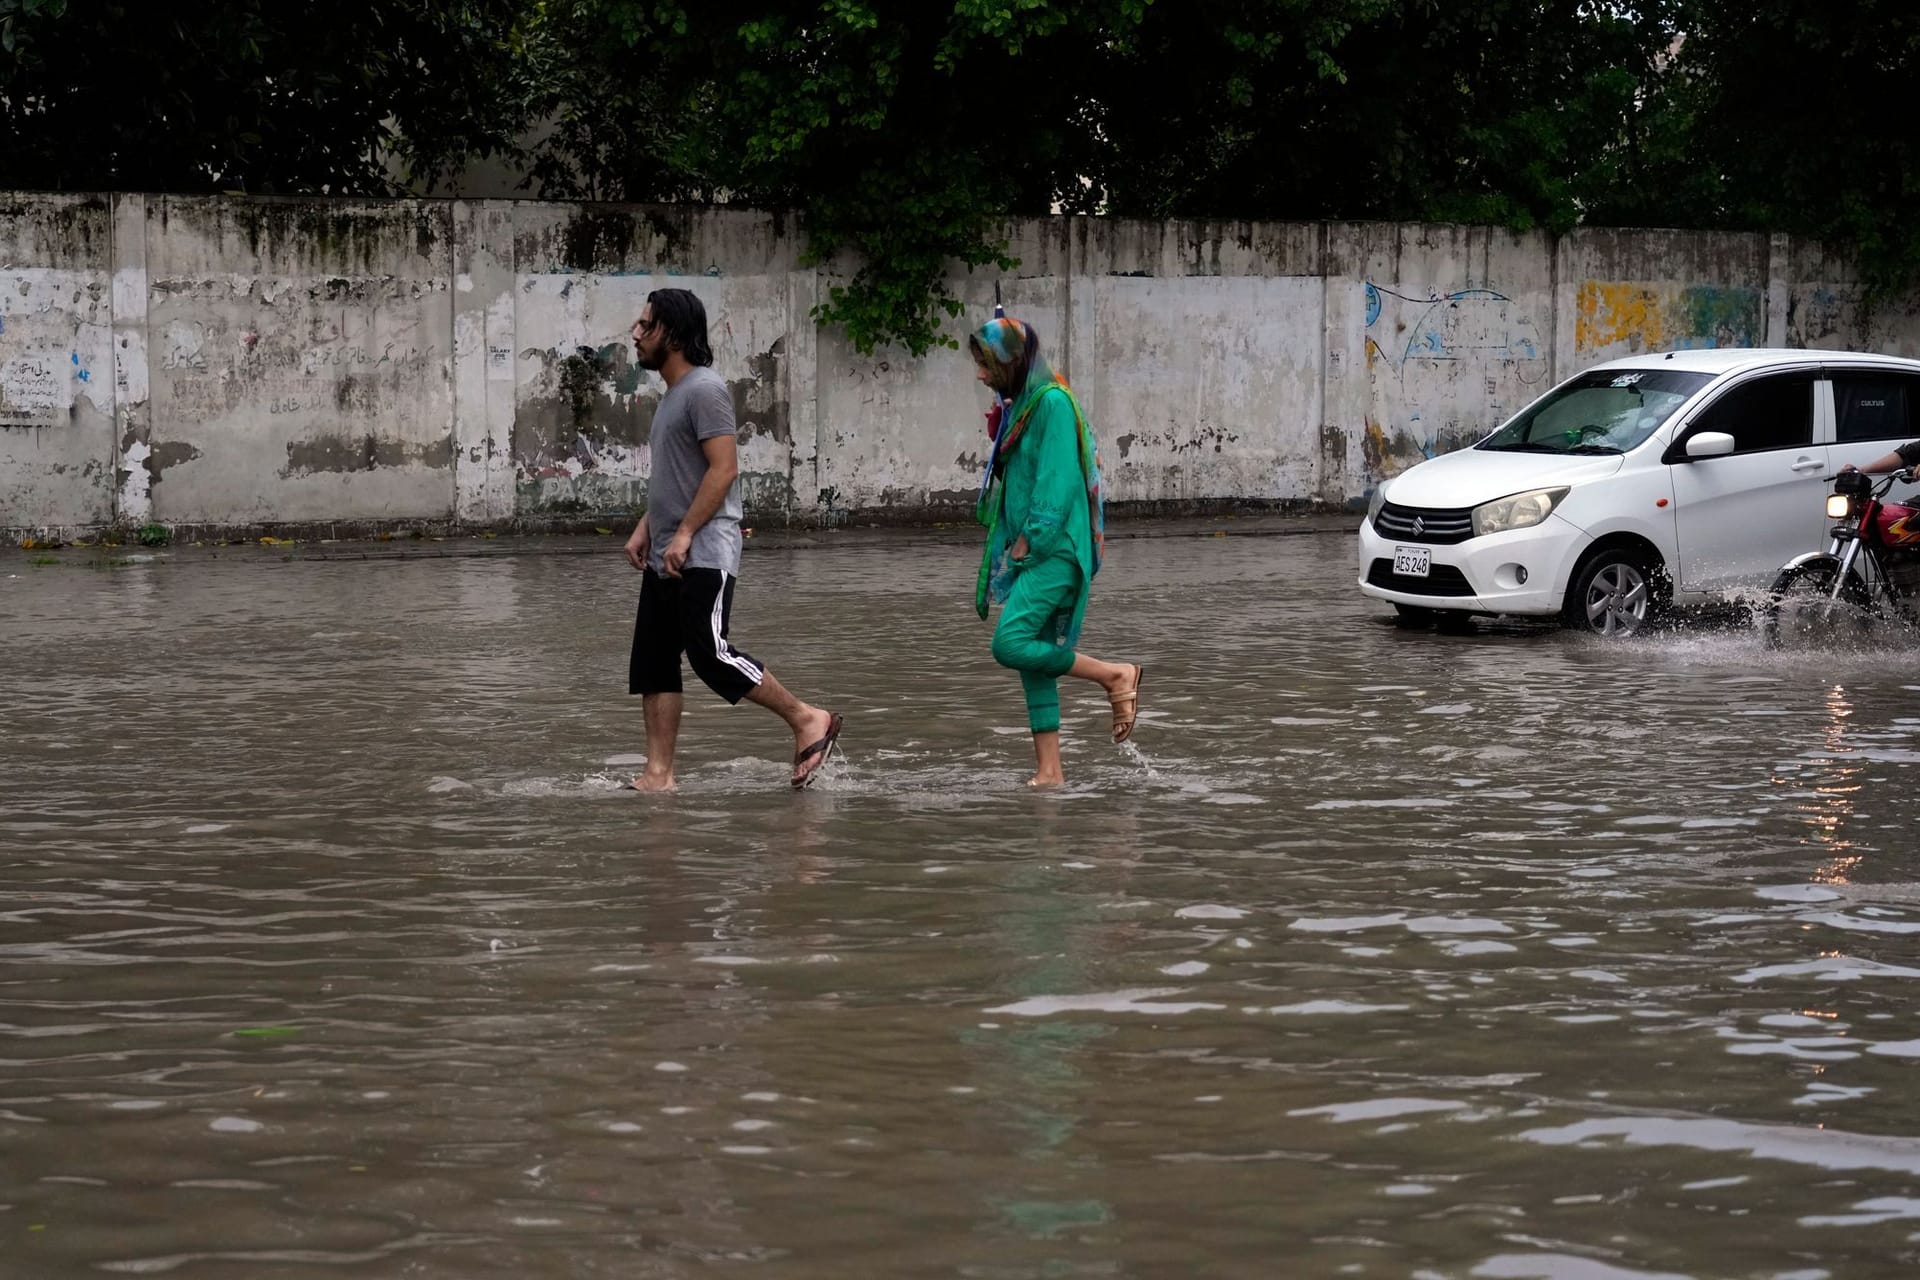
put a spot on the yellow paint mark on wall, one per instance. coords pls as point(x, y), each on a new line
point(1608, 313)
point(1376, 454)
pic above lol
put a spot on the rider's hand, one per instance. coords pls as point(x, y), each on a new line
point(678, 548)
point(1847, 468)
point(640, 545)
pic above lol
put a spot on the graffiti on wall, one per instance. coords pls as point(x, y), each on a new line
point(1442, 369)
point(1617, 318)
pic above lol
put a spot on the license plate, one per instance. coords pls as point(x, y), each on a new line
point(1412, 562)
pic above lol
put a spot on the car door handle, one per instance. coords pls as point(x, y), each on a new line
point(1809, 464)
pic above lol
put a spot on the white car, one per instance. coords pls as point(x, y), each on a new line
point(1697, 472)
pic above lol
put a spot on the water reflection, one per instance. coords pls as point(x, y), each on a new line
point(1835, 796)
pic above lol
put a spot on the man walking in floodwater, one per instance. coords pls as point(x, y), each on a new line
point(687, 549)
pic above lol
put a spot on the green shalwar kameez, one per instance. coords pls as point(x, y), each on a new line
point(1048, 493)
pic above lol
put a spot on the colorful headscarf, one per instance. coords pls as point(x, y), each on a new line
point(1005, 345)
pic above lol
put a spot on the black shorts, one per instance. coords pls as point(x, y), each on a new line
point(688, 614)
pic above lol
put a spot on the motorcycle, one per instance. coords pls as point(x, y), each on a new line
point(1869, 571)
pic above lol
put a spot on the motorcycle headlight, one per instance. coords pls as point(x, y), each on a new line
point(1838, 506)
point(1521, 511)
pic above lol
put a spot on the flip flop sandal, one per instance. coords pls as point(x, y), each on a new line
point(823, 749)
point(1130, 700)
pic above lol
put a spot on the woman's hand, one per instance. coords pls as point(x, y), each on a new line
point(1018, 551)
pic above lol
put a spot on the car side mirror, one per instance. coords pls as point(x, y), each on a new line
point(1709, 444)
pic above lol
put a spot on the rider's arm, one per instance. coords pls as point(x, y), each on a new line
point(1906, 455)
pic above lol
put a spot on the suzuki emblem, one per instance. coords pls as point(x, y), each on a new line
point(1419, 526)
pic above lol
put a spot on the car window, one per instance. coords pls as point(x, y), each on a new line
point(1766, 413)
point(1875, 406)
point(1601, 411)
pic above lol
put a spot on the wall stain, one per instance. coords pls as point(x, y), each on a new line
point(1333, 463)
point(595, 402)
point(593, 395)
point(927, 499)
point(340, 454)
point(758, 407)
point(597, 240)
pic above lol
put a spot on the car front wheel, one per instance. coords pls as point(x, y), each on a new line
point(1614, 593)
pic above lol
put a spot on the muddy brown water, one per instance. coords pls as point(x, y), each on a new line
point(328, 946)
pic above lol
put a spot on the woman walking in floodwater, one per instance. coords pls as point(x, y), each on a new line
point(1041, 506)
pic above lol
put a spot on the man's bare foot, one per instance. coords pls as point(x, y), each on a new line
point(816, 735)
point(651, 781)
point(1040, 780)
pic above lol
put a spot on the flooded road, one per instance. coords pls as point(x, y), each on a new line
point(328, 945)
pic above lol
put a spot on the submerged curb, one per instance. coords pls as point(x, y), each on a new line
point(473, 546)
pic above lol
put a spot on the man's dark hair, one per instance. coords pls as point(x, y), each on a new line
point(685, 321)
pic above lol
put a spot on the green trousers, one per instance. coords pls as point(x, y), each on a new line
point(1029, 636)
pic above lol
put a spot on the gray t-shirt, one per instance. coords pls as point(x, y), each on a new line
point(698, 407)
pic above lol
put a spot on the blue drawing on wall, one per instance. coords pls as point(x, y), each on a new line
point(1439, 363)
point(82, 374)
point(1467, 324)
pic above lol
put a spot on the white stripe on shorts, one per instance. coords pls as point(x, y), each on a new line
point(721, 649)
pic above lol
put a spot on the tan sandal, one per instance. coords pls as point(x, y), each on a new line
point(1126, 706)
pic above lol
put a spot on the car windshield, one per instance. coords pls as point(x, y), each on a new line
point(1602, 411)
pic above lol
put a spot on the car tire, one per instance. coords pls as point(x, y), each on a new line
point(1615, 592)
point(1788, 612)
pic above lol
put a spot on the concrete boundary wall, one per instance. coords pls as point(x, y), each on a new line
point(262, 364)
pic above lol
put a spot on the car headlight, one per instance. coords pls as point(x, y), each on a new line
point(1521, 511)
point(1377, 500)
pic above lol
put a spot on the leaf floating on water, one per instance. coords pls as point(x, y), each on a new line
point(267, 1032)
point(598, 529)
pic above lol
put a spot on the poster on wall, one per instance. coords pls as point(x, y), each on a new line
point(34, 388)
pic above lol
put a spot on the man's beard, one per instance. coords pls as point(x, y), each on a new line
point(651, 362)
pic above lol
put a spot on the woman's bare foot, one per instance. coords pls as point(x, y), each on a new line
point(1041, 780)
point(651, 781)
point(1123, 694)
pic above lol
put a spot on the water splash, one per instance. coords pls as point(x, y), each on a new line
point(1139, 758)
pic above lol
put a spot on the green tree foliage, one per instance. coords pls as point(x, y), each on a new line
point(1797, 116)
point(903, 132)
point(251, 95)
